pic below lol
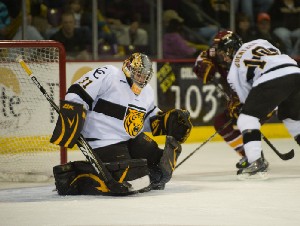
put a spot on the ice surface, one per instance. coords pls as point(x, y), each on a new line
point(203, 191)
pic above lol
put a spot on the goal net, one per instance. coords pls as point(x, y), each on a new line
point(26, 118)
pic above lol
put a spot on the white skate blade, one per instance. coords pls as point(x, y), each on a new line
point(257, 176)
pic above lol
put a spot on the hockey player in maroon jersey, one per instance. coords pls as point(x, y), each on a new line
point(205, 67)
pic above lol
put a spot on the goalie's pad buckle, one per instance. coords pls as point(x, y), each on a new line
point(69, 124)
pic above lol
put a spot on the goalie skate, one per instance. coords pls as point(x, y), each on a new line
point(256, 170)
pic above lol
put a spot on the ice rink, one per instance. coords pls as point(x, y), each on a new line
point(203, 191)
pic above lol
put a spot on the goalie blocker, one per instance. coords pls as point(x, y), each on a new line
point(69, 124)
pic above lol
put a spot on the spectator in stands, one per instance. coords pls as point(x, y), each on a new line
point(174, 45)
point(75, 40)
point(39, 17)
point(219, 10)
point(243, 28)
point(121, 9)
point(252, 8)
point(4, 20)
point(106, 37)
point(137, 35)
point(14, 11)
point(263, 31)
point(192, 38)
point(130, 37)
point(286, 23)
point(199, 20)
point(31, 33)
point(76, 7)
point(54, 10)
point(189, 33)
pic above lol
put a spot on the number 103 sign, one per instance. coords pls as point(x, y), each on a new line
point(178, 87)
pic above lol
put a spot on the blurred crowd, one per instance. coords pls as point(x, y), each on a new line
point(126, 26)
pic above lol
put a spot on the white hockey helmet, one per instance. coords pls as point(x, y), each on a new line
point(138, 68)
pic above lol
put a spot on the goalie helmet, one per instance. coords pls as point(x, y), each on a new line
point(227, 43)
point(138, 68)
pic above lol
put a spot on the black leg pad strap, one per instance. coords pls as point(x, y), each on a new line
point(251, 135)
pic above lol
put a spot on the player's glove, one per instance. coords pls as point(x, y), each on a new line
point(234, 107)
point(175, 123)
point(204, 67)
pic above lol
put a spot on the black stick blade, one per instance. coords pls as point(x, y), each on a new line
point(288, 155)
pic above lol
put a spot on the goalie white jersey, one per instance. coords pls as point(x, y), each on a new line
point(256, 62)
point(114, 112)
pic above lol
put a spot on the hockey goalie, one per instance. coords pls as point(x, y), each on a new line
point(113, 108)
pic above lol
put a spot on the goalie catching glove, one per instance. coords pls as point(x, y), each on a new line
point(175, 123)
point(69, 124)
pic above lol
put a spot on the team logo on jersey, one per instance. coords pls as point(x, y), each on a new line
point(134, 121)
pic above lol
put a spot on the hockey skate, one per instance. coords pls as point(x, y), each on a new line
point(243, 163)
point(167, 163)
point(256, 170)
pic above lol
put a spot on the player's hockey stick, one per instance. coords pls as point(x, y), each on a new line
point(283, 156)
point(104, 174)
point(206, 141)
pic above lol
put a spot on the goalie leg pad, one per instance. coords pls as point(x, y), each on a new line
point(166, 165)
point(80, 178)
point(169, 158)
point(144, 147)
point(64, 175)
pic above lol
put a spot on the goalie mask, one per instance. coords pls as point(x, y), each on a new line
point(226, 43)
point(138, 68)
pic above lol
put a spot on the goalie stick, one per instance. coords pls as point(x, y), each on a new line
point(104, 174)
point(284, 156)
point(206, 141)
